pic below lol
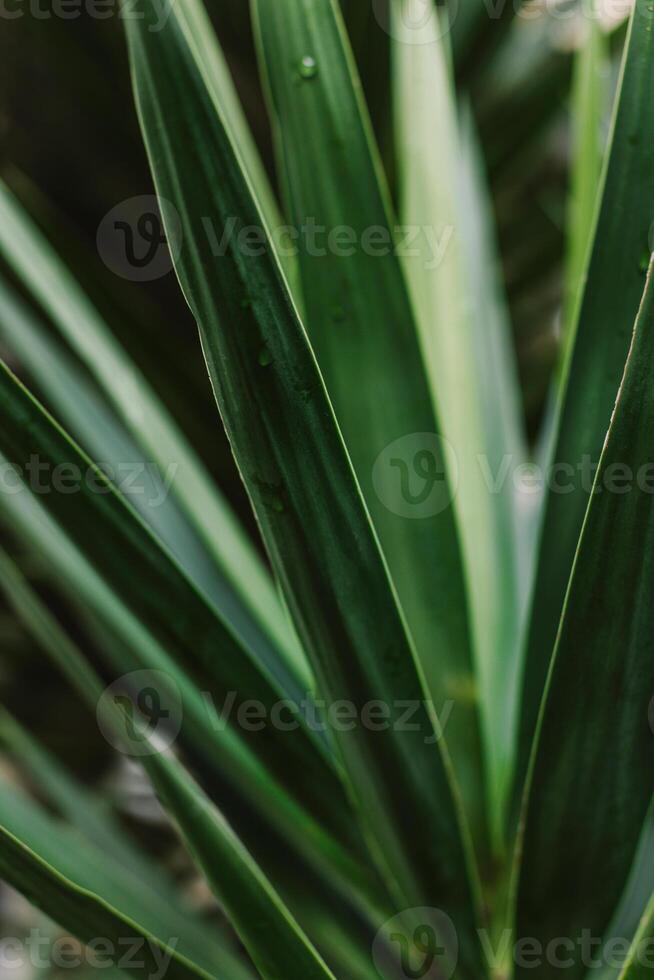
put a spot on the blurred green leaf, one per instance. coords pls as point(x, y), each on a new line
point(268, 931)
point(250, 594)
point(640, 965)
point(160, 604)
point(597, 352)
point(587, 112)
point(136, 898)
point(130, 649)
point(592, 772)
point(83, 912)
point(90, 419)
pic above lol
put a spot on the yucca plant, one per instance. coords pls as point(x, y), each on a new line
point(418, 739)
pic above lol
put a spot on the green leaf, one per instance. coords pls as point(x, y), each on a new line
point(587, 113)
point(264, 925)
point(636, 896)
point(86, 915)
point(302, 487)
point(640, 965)
point(598, 350)
point(331, 918)
point(91, 420)
point(92, 816)
point(273, 939)
point(167, 620)
point(362, 328)
point(249, 593)
point(135, 897)
point(469, 360)
point(501, 394)
point(592, 772)
point(218, 79)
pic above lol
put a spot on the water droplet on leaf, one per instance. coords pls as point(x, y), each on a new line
point(265, 357)
point(308, 67)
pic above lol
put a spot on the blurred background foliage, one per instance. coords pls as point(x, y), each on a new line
point(70, 148)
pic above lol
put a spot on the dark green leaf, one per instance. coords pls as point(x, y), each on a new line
point(592, 772)
point(86, 915)
point(599, 346)
point(362, 327)
point(173, 623)
point(302, 487)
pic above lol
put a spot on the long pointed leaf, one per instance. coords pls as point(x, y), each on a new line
point(464, 346)
point(53, 285)
point(588, 91)
point(160, 599)
point(272, 937)
point(640, 964)
point(330, 920)
point(592, 773)
point(86, 915)
point(88, 867)
point(302, 487)
point(598, 350)
point(362, 328)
